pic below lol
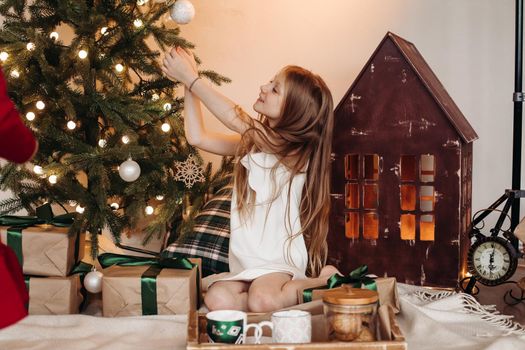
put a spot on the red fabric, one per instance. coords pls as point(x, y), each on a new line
point(17, 143)
point(13, 292)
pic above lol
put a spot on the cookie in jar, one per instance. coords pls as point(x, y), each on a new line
point(351, 314)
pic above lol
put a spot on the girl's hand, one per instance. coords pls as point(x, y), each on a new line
point(177, 67)
point(188, 55)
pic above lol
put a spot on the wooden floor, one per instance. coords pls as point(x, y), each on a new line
point(494, 295)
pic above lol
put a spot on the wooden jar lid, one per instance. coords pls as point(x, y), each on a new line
point(350, 296)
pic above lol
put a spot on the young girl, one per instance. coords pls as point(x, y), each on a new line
point(280, 202)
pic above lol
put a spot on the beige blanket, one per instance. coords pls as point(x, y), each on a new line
point(82, 332)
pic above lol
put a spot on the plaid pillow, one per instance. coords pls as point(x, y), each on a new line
point(211, 235)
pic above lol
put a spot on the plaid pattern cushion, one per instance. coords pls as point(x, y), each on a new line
point(211, 235)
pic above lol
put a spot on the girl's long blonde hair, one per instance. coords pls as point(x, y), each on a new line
point(302, 133)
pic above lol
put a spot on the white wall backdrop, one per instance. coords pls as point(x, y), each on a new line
point(468, 43)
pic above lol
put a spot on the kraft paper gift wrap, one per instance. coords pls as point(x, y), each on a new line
point(54, 295)
point(386, 288)
point(47, 250)
point(122, 291)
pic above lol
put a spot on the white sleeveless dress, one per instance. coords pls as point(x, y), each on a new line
point(260, 245)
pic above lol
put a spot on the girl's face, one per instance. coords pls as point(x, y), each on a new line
point(271, 98)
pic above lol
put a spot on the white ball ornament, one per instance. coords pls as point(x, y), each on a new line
point(93, 282)
point(182, 11)
point(129, 170)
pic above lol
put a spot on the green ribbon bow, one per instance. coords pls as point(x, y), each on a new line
point(356, 278)
point(148, 280)
point(18, 223)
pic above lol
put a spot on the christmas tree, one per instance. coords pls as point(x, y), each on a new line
point(109, 126)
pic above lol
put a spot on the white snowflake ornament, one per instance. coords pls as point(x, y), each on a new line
point(189, 171)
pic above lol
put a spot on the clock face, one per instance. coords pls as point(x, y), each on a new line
point(492, 260)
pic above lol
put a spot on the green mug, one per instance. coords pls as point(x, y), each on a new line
point(230, 326)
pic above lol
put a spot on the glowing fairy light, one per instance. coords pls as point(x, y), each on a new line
point(30, 116)
point(149, 210)
point(71, 125)
point(53, 35)
point(167, 106)
point(138, 23)
point(53, 179)
point(4, 56)
point(37, 169)
point(15, 73)
point(119, 67)
point(79, 209)
point(125, 139)
point(165, 127)
point(30, 46)
point(40, 105)
point(102, 143)
point(82, 54)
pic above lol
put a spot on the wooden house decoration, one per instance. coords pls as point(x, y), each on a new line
point(401, 172)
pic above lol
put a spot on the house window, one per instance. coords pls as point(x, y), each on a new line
point(417, 197)
point(361, 196)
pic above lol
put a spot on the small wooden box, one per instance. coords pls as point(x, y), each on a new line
point(197, 338)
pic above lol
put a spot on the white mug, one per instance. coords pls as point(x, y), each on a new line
point(230, 326)
point(291, 326)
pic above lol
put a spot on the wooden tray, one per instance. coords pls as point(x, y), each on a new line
point(197, 338)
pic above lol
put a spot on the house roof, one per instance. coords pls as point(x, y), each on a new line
point(430, 81)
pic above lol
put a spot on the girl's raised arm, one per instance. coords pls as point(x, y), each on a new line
point(177, 66)
point(198, 136)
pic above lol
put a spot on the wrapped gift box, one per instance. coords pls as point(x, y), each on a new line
point(54, 295)
point(177, 290)
point(386, 288)
point(388, 334)
point(47, 250)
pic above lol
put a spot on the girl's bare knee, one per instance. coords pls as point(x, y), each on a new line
point(219, 299)
point(259, 301)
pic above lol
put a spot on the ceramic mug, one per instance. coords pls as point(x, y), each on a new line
point(291, 326)
point(230, 326)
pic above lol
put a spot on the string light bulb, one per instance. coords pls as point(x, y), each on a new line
point(102, 143)
point(30, 116)
point(125, 139)
point(141, 2)
point(159, 197)
point(30, 46)
point(155, 97)
point(167, 106)
point(104, 30)
point(15, 73)
point(40, 105)
point(4, 56)
point(119, 67)
point(72, 203)
point(71, 125)
point(53, 35)
point(53, 179)
point(149, 210)
point(114, 206)
point(79, 209)
point(37, 169)
point(165, 127)
point(82, 54)
point(138, 23)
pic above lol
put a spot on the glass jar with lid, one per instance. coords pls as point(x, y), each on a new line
point(351, 313)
